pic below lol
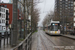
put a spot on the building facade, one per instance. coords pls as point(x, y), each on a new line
point(74, 15)
point(4, 18)
point(65, 10)
point(9, 6)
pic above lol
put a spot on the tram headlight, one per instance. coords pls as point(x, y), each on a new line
point(53, 24)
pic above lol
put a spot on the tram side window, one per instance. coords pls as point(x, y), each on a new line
point(48, 27)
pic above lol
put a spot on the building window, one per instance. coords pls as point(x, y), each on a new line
point(60, 11)
point(3, 21)
point(74, 18)
point(6, 6)
point(65, 5)
point(71, 1)
point(71, 7)
point(65, 8)
point(60, 5)
point(3, 15)
point(74, 8)
point(66, 0)
point(74, 3)
point(0, 27)
point(74, 13)
point(74, 24)
point(3, 10)
point(71, 4)
point(60, 8)
point(60, 0)
point(0, 20)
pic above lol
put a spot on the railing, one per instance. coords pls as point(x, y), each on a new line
point(24, 45)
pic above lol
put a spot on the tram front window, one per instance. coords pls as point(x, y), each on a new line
point(54, 27)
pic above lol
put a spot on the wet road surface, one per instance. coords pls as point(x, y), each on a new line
point(5, 47)
point(42, 41)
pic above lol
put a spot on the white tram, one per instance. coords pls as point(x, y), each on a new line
point(53, 28)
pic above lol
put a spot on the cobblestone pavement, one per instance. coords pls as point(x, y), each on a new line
point(42, 41)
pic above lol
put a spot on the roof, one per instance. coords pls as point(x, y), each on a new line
point(6, 3)
point(55, 22)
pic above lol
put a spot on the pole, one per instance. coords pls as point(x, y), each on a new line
point(0, 39)
point(14, 32)
point(31, 16)
point(24, 18)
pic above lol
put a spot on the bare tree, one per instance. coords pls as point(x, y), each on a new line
point(48, 18)
point(34, 16)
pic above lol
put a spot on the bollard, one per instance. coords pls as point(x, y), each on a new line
point(0, 39)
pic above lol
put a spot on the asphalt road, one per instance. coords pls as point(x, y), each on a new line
point(42, 41)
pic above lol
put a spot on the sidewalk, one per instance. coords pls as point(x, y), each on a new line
point(34, 41)
point(69, 36)
point(5, 47)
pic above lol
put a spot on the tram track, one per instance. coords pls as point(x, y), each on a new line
point(47, 42)
point(41, 43)
point(44, 43)
point(63, 40)
point(64, 46)
point(51, 41)
point(68, 42)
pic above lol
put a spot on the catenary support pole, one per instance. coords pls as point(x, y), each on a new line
point(14, 33)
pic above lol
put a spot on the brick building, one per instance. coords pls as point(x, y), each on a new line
point(4, 18)
point(9, 6)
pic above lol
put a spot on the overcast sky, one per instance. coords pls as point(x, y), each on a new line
point(5, 1)
point(45, 7)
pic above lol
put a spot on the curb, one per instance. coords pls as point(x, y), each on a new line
point(68, 36)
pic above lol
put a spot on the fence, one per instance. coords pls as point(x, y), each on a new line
point(24, 45)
